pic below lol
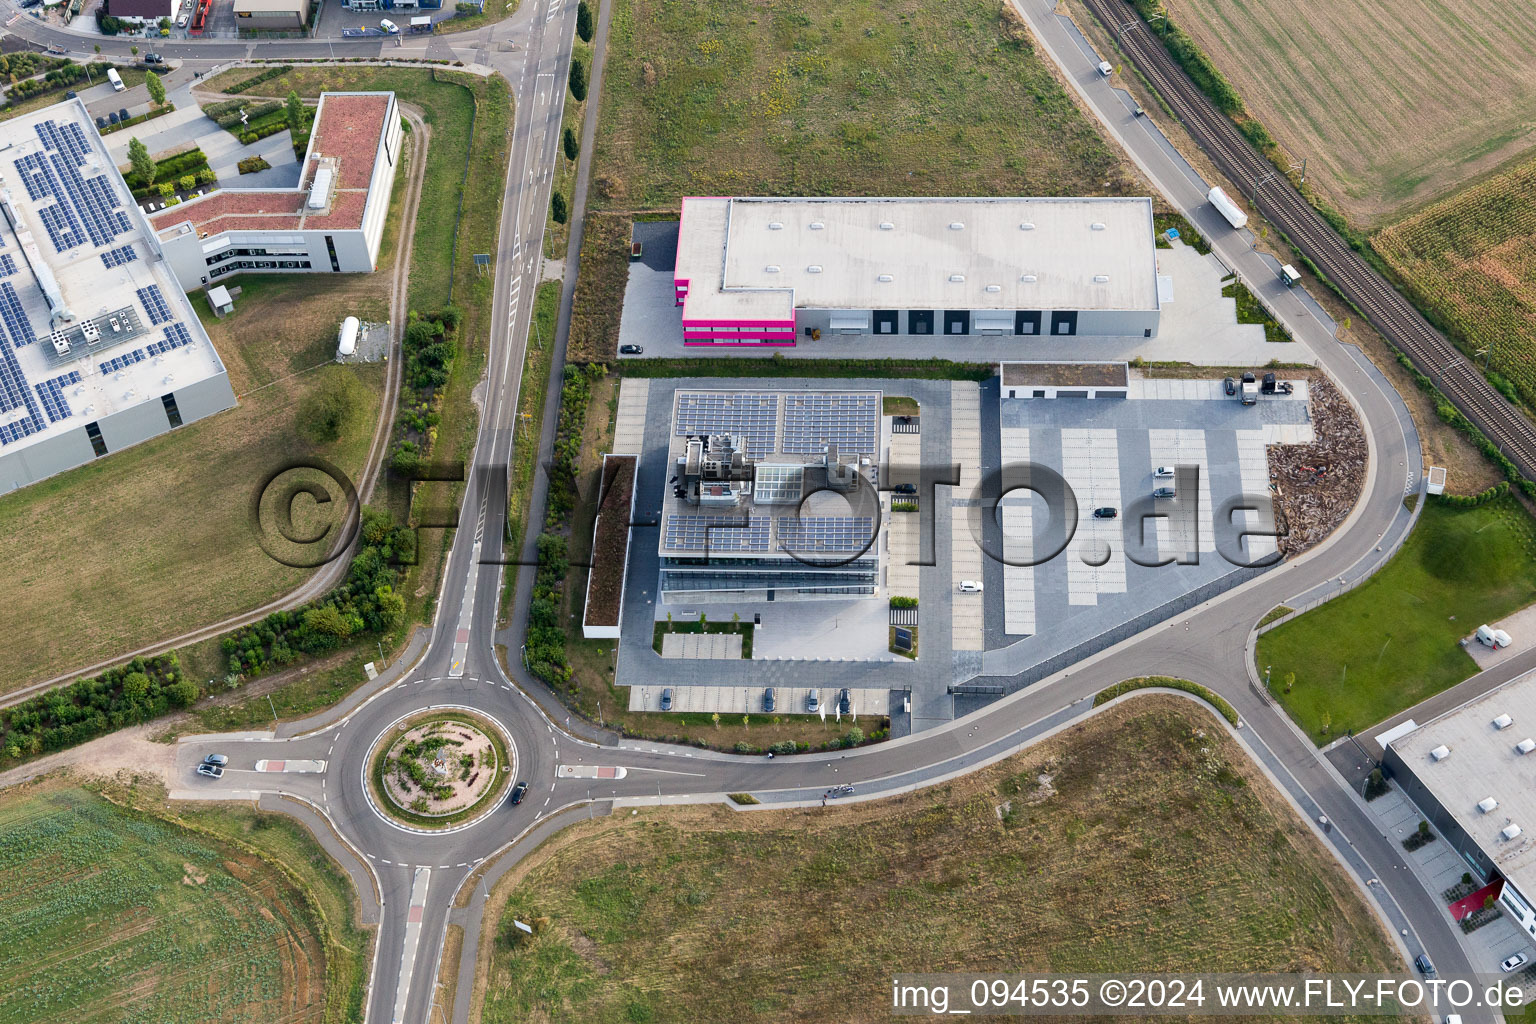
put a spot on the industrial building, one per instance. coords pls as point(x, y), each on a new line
point(1472, 774)
point(331, 222)
point(754, 271)
point(271, 15)
point(100, 348)
point(771, 496)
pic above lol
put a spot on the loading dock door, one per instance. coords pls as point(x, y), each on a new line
point(1064, 322)
point(849, 323)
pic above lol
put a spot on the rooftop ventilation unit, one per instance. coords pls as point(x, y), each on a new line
point(1510, 831)
point(814, 268)
point(817, 225)
point(1029, 279)
point(956, 225)
point(775, 226)
point(1440, 753)
point(772, 268)
point(320, 191)
point(994, 288)
point(957, 278)
point(1503, 722)
point(1101, 279)
point(1525, 746)
point(1487, 804)
point(885, 278)
point(1027, 226)
point(1096, 226)
point(886, 225)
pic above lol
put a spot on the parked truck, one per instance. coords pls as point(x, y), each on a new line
point(1227, 208)
point(1249, 394)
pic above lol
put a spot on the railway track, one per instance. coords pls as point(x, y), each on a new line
point(1272, 193)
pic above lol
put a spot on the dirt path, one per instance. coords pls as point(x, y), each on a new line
point(128, 751)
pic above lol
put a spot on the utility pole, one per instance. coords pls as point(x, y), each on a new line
point(273, 707)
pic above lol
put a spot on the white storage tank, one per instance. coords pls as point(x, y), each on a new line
point(346, 341)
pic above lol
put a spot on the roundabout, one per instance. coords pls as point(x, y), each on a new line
point(439, 769)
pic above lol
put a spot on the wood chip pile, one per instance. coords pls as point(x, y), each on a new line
point(1315, 485)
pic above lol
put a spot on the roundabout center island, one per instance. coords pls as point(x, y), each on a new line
point(440, 768)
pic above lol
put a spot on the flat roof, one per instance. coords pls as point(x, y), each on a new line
point(77, 268)
point(1482, 763)
point(272, 6)
point(785, 433)
point(346, 139)
point(1103, 375)
point(763, 257)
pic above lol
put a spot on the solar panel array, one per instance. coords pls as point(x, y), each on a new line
point(176, 336)
point(812, 421)
point(117, 257)
point(717, 533)
point(14, 394)
point(52, 394)
point(123, 361)
point(750, 415)
point(154, 304)
point(7, 265)
point(83, 208)
point(807, 534)
point(15, 318)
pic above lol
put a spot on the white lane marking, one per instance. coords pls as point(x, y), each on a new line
point(414, 915)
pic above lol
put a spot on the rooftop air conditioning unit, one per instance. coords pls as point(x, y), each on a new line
point(1101, 279)
point(1503, 722)
point(1029, 279)
point(957, 278)
point(814, 268)
point(956, 225)
point(1097, 226)
point(775, 226)
point(885, 279)
point(1510, 831)
point(817, 225)
point(1525, 746)
point(886, 225)
point(771, 268)
point(994, 288)
point(1026, 226)
point(1440, 753)
point(1487, 804)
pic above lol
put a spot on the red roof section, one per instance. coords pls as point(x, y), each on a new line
point(347, 132)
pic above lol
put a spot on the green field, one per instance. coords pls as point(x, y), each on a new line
point(1142, 840)
point(1392, 642)
point(114, 915)
point(1470, 261)
point(776, 97)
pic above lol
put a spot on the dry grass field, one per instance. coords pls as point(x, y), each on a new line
point(153, 540)
point(1393, 102)
point(1143, 839)
point(1471, 260)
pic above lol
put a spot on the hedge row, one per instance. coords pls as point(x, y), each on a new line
point(227, 114)
point(1205, 693)
point(139, 119)
point(87, 708)
point(1493, 493)
point(264, 76)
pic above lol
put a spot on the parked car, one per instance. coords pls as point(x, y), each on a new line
point(1426, 968)
point(219, 759)
point(1139, 111)
point(181, 22)
point(631, 350)
point(69, 94)
point(813, 701)
point(1164, 492)
point(389, 27)
point(213, 771)
point(1106, 68)
point(101, 122)
point(122, 115)
point(112, 119)
point(666, 699)
point(844, 701)
point(905, 489)
point(970, 587)
point(153, 58)
point(768, 701)
point(1230, 386)
point(1163, 472)
point(1514, 963)
point(1107, 512)
point(518, 792)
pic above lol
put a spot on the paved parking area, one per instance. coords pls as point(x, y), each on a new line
point(701, 645)
point(740, 700)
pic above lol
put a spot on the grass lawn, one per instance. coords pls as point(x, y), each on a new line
point(1392, 642)
point(1142, 840)
point(116, 914)
point(183, 496)
point(858, 97)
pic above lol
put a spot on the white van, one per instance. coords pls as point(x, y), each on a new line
point(1106, 68)
point(116, 80)
point(1490, 637)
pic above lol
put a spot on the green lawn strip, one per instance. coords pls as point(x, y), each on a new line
point(531, 394)
point(1393, 641)
point(695, 628)
point(1205, 693)
point(434, 821)
point(1279, 611)
point(556, 233)
point(890, 643)
point(1141, 840)
point(1251, 311)
point(319, 688)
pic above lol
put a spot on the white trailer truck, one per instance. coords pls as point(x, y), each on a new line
point(1227, 208)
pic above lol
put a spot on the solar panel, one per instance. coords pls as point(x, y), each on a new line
point(14, 394)
point(154, 304)
point(84, 207)
point(117, 257)
point(52, 394)
point(750, 415)
point(15, 318)
point(7, 265)
point(176, 336)
point(814, 420)
point(122, 362)
point(717, 533)
point(807, 534)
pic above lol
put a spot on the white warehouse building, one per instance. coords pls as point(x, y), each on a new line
point(332, 222)
point(757, 271)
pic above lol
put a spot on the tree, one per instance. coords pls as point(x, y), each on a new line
point(294, 111)
point(156, 88)
point(331, 408)
point(182, 693)
point(584, 21)
point(578, 79)
point(557, 208)
point(571, 146)
point(133, 50)
point(138, 156)
point(98, 47)
point(135, 686)
point(716, 719)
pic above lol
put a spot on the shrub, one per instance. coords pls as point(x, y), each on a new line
point(166, 189)
point(568, 141)
point(1375, 785)
point(578, 79)
point(1206, 694)
point(187, 182)
point(899, 601)
point(331, 409)
point(584, 21)
point(252, 164)
point(206, 176)
point(557, 207)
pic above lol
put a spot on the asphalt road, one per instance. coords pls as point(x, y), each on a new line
point(417, 875)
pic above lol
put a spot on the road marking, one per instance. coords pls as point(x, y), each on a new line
point(664, 771)
point(413, 918)
point(592, 771)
